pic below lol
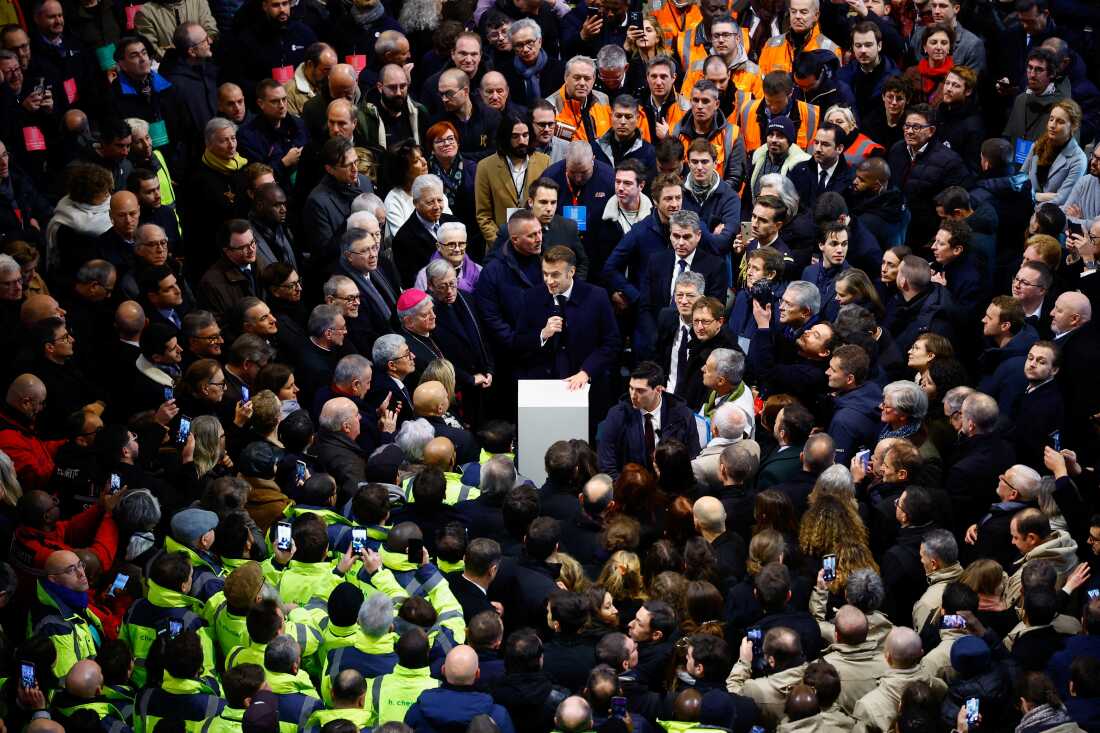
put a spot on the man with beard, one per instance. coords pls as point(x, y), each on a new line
point(274, 240)
point(502, 180)
point(779, 154)
point(466, 56)
point(624, 140)
point(875, 203)
point(272, 46)
point(146, 185)
point(392, 115)
point(728, 45)
point(869, 69)
point(1083, 203)
point(707, 122)
point(475, 122)
point(189, 66)
point(543, 139)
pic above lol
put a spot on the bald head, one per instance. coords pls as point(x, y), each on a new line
point(342, 81)
point(65, 569)
point(392, 74)
point(58, 561)
point(574, 714)
point(124, 213)
point(440, 453)
point(687, 705)
point(801, 702)
point(42, 725)
point(85, 679)
point(26, 393)
point(460, 667)
point(129, 320)
point(37, 307)
point(430, 399)
point(851, 625)
point(1071, 310)
point(903, 648)
point(710, 515)
point(598, 489)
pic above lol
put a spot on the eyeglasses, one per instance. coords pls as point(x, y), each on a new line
point(216, 384)
point(447, 286)
point(544, 125)
point(347, 298)
point(63, 337)
point(446, 140)
point(295, 285)
point(703, 321)
point(448, 93)
point(246, 245)
point(157, 244)
point(11, 283)
point(1007, 483)
point(912, 126)
point(1020, 281)
point(406, 355)
point(461, 244)
point(76, 567)
point(524, 44)
point(368, 251)
point(727, 34)
point(210, 339)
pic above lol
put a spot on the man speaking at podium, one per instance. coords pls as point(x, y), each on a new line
point(567, 329)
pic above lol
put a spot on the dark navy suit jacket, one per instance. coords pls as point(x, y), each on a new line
point(590, 339)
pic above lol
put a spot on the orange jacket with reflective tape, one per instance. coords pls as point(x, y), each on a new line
point(808, 117)
point(778, 54)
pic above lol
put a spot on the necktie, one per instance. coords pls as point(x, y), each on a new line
point(375, 297)
point(383, 287)
point(561, 356)
point(174, 318)
point(682, 357)
point(681, 268)
point(822, 180)
point(650, 439)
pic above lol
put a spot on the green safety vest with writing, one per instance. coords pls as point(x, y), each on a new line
point(456, 490)
point(229, 721)
point(390, 696)
point(149, 617)
point(191, 701)
point(358, 717)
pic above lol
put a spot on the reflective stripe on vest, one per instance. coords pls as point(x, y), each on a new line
point(376, 695)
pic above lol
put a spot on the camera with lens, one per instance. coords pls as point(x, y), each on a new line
point(762, 292)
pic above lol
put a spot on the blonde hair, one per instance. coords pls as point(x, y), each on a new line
point(829, 522)
point(851, 557)
point(442, 371)
point(622, 576)
point(572, 575)
point(846, 113)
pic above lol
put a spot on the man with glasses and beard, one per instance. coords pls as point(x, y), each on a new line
point(389, 109)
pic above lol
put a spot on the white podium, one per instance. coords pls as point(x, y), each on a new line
point(548, 412)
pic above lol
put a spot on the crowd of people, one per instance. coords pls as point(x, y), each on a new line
point(271, 272)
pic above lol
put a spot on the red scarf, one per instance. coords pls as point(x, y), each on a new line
point(932, 76)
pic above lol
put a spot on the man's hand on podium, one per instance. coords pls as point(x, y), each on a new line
point(577, 381)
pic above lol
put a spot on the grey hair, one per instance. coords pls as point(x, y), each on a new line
point(386, 348)
point(740, 462)
point(283, 652)
point(982, 410)
point(579, 59)
point(836, 480)
point(137, 125)
point(322, 318)
point(350, 237)
point(907, 398)
point(611, 57)
point(865, 590)
point(688, 277)
point(579, 151)
point(138, 510)
point(9, 480)
point(332, 285)
point(729, 364)
point(142, 233)
point(806, 295)
point(358, 218)
point(730, 421)
point(216, 124)
point(413, 436)
point(942, 545)
point(953, 400)
point(369, 202)
point(335, 413)
point(1026, 481)
point(685, 218)
point(525, 24)
point(437, 269)
point(786, 191)
point(350, 368)
point(415, 309)
point(450, 226)
point(1044, 495)
point(8, 264)
point(498, 474)
point(427, 182)
point(95, 271)
point(196, 321)
point(841, 110)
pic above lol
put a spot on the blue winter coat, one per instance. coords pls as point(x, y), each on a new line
point(723, 206)
point(856, 421)
point(1003, 369)
point(448, 709)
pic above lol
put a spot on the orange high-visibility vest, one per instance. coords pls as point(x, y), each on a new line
point(750, 128)
point(721, 138)
point(573, 122)
point(674, 21)
point(861, 149)
point(778, 54)
point(676, 111)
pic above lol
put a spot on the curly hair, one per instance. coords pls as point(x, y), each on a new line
point(829, 522)
point(671, 588)
point(850, 557)
point(622, 577)
point(622, 533)
point(87, 182)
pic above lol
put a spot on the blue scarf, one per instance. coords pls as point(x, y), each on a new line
point(74, 599)
point(530, 74)
point(903, 432)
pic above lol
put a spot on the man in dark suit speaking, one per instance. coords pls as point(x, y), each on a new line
point(567, 329)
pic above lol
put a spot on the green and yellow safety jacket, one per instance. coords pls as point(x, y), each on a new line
point(150, 616)
point(301, 582)
point(370, 656)
point(192, 701)
point(390, 696)
point(357, 716)
point(113, 720)
point(298, 699)
point(398, 578)
point(456, 490)
point(228, 721)
point(75, 633)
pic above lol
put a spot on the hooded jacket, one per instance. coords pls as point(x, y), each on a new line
point(449, 709)
point(1059, 549)
point(76, 634)
point(150, 616)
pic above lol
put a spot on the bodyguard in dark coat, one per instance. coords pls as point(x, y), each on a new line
point(981, 455)
point(623, 432)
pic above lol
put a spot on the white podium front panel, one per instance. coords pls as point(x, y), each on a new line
point(548, 412)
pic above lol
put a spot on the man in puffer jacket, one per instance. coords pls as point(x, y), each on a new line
point(454, 704)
